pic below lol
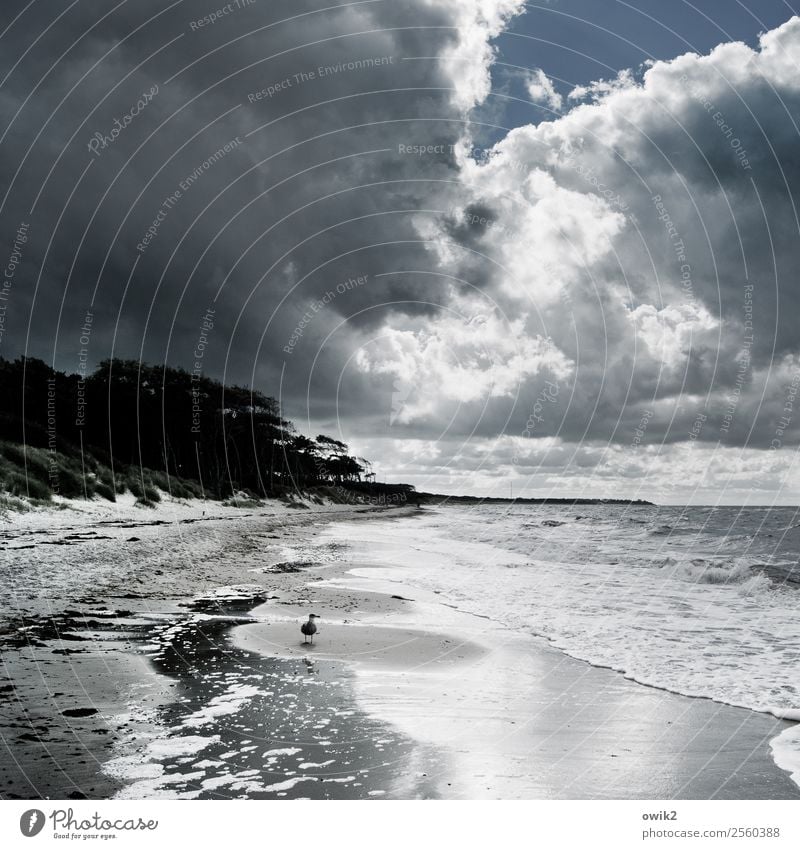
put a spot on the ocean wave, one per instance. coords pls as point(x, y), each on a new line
point(699, 570)
point(749, 575)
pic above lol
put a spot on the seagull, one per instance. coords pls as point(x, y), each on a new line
point(309, 628)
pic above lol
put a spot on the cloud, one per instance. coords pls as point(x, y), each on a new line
point(458, 360)
point(600, 89)
point(468, 60)
point(541, 90)
point(651, 234)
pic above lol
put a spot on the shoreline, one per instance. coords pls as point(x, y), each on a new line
point(202, 688)
point(724, 741)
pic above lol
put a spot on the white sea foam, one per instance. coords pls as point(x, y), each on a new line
point(143, 772)
point(275, 752)
point(286, 785)
point(173, 747)
point(224, 705)
point(786, 751)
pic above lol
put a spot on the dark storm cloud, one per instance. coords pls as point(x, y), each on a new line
point(248, 159)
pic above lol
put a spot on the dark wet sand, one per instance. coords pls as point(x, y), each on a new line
point(55, 699)
point(299, 735)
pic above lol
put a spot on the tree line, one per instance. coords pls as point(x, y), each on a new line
point(127, 416)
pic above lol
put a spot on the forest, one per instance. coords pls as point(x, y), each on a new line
point(144, 428)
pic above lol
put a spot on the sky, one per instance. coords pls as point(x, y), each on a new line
point(543, 248)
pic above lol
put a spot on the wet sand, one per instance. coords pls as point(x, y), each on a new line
point(509, 717)
point(245, 726)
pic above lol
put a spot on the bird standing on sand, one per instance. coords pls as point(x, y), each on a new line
point(309, 628)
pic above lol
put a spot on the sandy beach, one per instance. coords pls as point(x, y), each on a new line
point(179, 671)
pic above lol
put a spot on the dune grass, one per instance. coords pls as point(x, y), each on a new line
point(35, 475)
